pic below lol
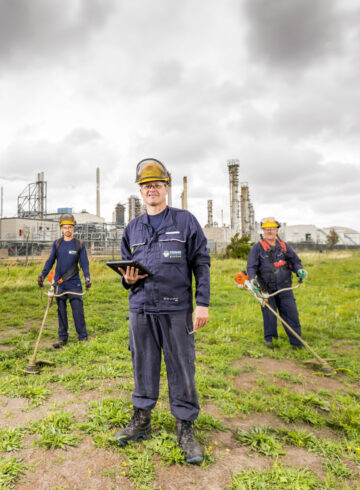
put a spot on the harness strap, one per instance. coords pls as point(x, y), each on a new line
point(74, 269)
point(267, 248)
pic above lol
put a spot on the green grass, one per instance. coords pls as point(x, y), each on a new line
point(230, 348)
point(10, 470)
point(279, 477)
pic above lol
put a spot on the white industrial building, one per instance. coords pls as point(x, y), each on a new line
point(347, 236)
point(31, 229)
point(313, 234)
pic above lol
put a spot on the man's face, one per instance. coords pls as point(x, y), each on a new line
point(67, 230)
point(154, 193)
point(270, 233)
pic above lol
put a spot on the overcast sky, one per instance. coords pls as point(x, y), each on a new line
point(106, 83)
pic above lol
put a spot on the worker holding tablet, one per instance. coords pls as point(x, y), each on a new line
point(170, 244)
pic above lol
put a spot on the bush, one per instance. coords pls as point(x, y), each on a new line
point(239, 247)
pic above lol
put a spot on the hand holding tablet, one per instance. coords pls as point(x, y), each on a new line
point(131, 270)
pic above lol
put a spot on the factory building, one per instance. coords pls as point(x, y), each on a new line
point(242, 216)
point(31, 229)
point(313, 234)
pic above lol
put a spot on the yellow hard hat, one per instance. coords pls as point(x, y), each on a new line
point(149, 170)
point(67, 219)
point(269, 222)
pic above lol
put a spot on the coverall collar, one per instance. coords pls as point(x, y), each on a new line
point(167, 220)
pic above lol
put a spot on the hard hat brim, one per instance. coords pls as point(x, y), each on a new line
point(270, 225)
point(67, 223)
point(153, 179)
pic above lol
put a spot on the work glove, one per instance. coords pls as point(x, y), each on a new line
point(87, 283)
point(255, 285)
point(40, 281)
point(301, 273)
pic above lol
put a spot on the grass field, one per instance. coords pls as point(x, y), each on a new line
point(267, 420)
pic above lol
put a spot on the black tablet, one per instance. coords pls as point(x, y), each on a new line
point(115, 264)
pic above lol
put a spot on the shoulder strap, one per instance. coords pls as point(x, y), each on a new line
point(57, 244)
point(282, 245)
point(74, 269)
point(265, 245)
point(78, 245)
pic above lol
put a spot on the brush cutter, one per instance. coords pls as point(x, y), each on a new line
point(33, 366)
point(242, 281)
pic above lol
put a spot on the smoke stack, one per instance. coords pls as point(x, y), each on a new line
point(2, 201)
point(245, 221)
point(170, 192)
point(184, 194)
point(98, 192)
point(41, 195)
point(233, 167)
point(210, 212)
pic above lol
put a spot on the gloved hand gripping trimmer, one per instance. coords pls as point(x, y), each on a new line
point(242, 281)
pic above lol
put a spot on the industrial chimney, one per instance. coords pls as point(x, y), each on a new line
point(245, 209)
point(210, 213)
point(233, 167)
point(184, 202)
point(169, 197)
point(98, 192)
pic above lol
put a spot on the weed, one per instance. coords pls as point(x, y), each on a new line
point(10, 470)
point(106, 414)
point(260, 440)
point(338, 469)
point(288, 377)
point(140, 467)
point(10, 440)
point(162, 419)
point(280, 477)
point(54, 431)
point(165, 445)
point(18, 387)
point(208, 422)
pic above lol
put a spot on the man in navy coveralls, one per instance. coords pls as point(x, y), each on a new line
point(68, 252)
point(273, 261)
point(170, 243)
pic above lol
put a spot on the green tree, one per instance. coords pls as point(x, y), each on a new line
point(332, 237)
point(239, 247)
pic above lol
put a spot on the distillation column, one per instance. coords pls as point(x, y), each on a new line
point(233, 167)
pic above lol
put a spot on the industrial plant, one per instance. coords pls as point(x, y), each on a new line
point(34, 229)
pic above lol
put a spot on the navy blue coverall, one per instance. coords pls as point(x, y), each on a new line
point(161, 307)
point(271, 279)
point(65, 257)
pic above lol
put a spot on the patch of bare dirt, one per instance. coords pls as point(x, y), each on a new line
point(218, 476)
point(268, 366)
point(79, 468)
point(15, 412)
point(246, 381)
point(300, 457)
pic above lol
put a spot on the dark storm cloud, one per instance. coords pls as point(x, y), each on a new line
point(292, 33)
point(42, 30)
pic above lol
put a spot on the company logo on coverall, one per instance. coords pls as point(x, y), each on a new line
point(172, 254)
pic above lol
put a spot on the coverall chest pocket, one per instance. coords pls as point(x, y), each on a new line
point(265, 264)
point(173, 250)
point(138, 249)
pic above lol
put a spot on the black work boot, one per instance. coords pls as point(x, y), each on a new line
point(59, 344)
point(138, 427)
point(186, 439)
